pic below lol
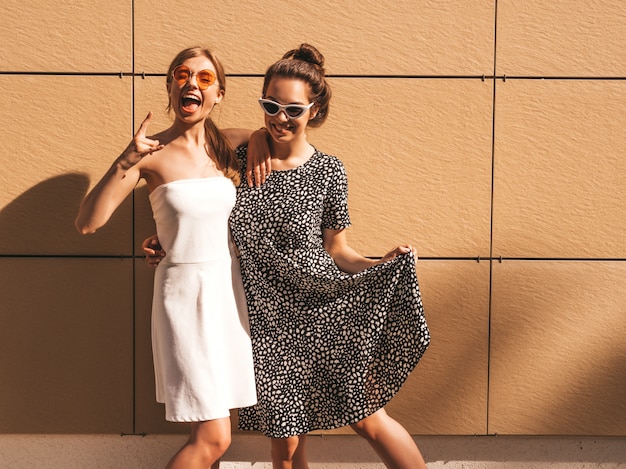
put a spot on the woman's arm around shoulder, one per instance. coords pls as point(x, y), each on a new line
point(259, 159)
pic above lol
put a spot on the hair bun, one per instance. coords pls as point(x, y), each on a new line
point(306, 53)
point(304, 63)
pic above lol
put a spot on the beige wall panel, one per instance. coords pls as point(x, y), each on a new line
point(418, 157)
point(66, 36)
point(240, 107)
point(560, 173)
point(50, 161)
point(403, 37)
point(66, 346)
point(558, 354)
point(420, 174)
point(447, 392)
point(574, 38)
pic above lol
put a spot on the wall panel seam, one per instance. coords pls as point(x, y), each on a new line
point(477, 259)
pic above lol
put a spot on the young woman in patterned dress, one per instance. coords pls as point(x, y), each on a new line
point(334, 334)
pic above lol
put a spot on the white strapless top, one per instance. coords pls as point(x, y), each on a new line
point(191, 217)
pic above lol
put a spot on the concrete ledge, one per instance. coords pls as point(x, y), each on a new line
point(325, 452)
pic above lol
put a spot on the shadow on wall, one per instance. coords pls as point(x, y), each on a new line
point(41, 222)
point(66, 323)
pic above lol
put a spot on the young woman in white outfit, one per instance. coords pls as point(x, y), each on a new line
point(200, 331)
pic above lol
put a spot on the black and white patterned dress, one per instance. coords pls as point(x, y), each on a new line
point(330, 348)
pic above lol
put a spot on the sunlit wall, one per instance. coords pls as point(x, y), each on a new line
point(488, 134)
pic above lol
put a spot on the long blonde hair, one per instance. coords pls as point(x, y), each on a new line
point(217, 146)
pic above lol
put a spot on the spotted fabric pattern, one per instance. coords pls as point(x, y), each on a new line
point(330, 348)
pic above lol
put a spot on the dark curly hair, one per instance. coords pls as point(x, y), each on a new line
point(305, 63)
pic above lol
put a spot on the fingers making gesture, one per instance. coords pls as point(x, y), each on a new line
point(140, 146)
point(119, 181)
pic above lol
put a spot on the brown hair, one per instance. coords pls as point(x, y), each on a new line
point(216, 144)
point(305, 63)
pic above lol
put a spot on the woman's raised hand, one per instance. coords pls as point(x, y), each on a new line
point(140, 146)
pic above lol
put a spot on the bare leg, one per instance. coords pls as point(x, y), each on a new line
point(289, 453)
point(207, 443)
point(391, 441)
